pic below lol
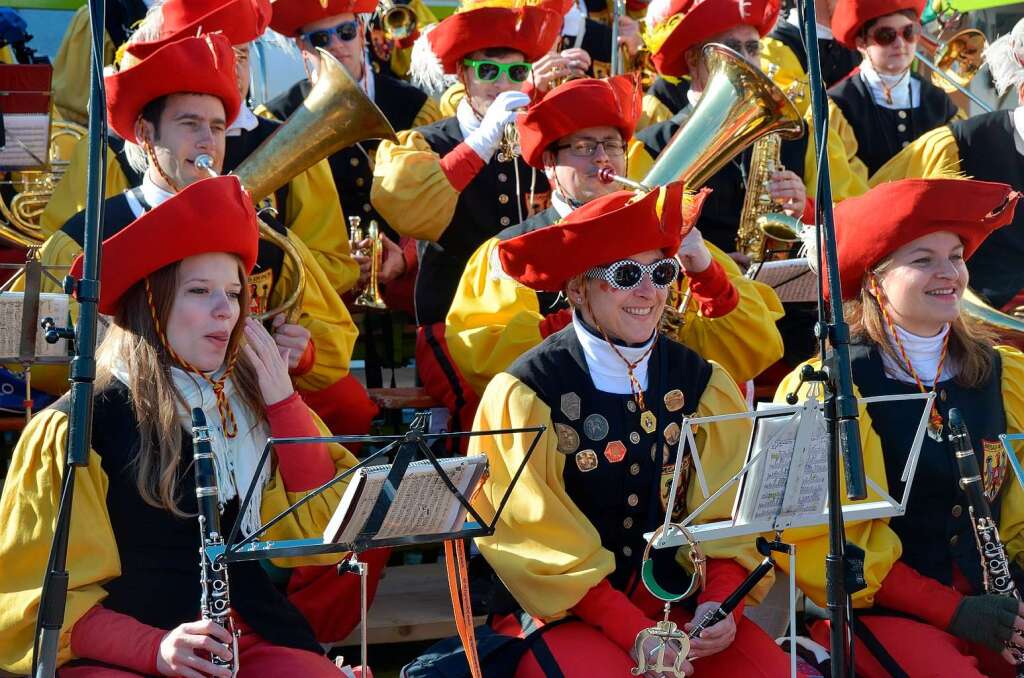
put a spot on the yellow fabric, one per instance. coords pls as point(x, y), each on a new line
point(790, 75)
point(1011, 517)
point(848, 174)
point(493, 320)
point(68, 197)
point(429, 112)
point(401, 58)
point(450, 99)
point(652, 112)
point(71, 68)
point(933, 154)
point(29, 506)
point(410, 190)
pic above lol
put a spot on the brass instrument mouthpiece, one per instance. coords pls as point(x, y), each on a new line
point(607, 176)
point(205, 163)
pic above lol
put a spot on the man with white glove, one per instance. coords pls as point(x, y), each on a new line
point(499, 115)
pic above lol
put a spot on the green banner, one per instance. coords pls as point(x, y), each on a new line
point(44, 4)
point(974, 5)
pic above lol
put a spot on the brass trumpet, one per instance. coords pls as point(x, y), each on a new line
point(369, 297)
point(397, 21)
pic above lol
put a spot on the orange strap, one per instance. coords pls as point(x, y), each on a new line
point(458, 586)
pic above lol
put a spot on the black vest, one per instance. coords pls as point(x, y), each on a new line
point(837, 61)
point(159, 582)
point(882, 132)
point(936, 532)
point(988, 153)
point(672, 96)
point(488, 204)
point(622, 496)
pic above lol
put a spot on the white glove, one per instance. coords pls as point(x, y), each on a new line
point(484, 139)
point(694, 255)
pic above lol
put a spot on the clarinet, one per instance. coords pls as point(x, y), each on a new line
point(995, 566)
point(716, 615)
point(215, 602)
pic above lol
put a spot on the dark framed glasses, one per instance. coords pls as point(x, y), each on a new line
point(887, 35)
point(346, 31)
point(627, 274)
point(489, 71)
point(586, 148)
point(752, 48)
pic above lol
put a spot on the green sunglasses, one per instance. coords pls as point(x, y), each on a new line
point(489, 71)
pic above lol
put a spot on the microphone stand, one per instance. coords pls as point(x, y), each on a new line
point(53, 597)
point(840, 405)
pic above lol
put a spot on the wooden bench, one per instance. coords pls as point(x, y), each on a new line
point(412, 397)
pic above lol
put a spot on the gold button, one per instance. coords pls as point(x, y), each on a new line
point(626, 551)
point(367, 208)
point(901, 127)
point(360, 181)
point(902, 114)
point(502, 177)
point(634, 437)
point(354, 162)
point(504, 221)
point(628, 523)
point(630, 405)
point(633, 500)
point(954, 539)
point(943, 395)
point(634, 470)
point(503, 199)
point(958, 511)
point(904, 144)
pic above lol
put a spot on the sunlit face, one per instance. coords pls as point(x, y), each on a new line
point(205, 309)
point(630, 316)
point(743, 39)
point(481, 93)
point(242, 69)
point(349, 52)
point(894, 58)
point(924, 281)
point(190, 125)
point(575, 176)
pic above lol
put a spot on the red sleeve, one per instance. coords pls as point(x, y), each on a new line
point(724, 577)
point(305, 363)
point(713, 291)
point(460, 165)
point(555, 321)
point(304, 466)
point(808, 215)
point(613, 613)
point(117, 639)
point(906, 590)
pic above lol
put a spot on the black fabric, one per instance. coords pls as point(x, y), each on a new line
point(116, 146)
point(597, 41)
point(121, 18)
point(877, 129)
point(935, 535)
point(159, 582)
point(987, 152)
point(549, 302)
point(836, 60)
point(672, 95)
point(479, 214)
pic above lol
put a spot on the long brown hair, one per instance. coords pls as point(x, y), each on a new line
point(134, 344)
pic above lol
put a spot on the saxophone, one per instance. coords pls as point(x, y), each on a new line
point(762, 218)
point(215, 603)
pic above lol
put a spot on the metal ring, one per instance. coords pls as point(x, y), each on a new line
point(697, 559)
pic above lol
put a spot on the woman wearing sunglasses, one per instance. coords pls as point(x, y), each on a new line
point(611, 392)
point(887, 106)
point(924, 610)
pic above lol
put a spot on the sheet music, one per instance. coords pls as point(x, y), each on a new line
point(27, 141)
point(792, 279)
point(51, 304)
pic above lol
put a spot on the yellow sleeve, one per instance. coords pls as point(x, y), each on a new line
point(322, 313)
point(407, 178)
point(71, 68)
point(68, 197)
point(652, 112)
point(789, 73)
point(744, 341)
point(314, 215)
point(934, 154)
point(450, 99)
point(544, 548)
point(1011, 517)
point(29, 506)
point(848, 174)
point(881, 546)
point(429, 112)
point(638, 160)
point(401, 57)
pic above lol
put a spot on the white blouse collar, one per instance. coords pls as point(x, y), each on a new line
point(924, 354)
point(607, 370)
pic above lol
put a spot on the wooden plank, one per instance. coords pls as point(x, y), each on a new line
point(402, 398)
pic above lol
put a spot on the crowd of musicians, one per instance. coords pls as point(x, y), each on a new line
point(515, 219)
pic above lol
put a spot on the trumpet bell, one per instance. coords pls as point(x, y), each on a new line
point(960, 57)
point(399, 22)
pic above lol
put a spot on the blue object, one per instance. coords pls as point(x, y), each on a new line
point(13, 28)
point(12, 394)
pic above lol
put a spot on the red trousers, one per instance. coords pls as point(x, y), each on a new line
point(921, 650)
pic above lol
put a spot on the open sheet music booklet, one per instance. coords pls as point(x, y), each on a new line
point(791, 476)
point(792, 279)
point(423, 504)
point(51, 305)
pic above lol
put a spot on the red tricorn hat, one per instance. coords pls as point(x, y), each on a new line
point(575, 105)
point(851, 15)
point(872, 226)
point(604, 230)
point(291, 15)
point(211, 215)
point(688, 23)
point(203, 65)
point(530, 29)
point(241, 22)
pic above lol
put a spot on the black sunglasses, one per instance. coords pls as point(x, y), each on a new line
point(886, 35)
point(627, 274)
point(346, 32)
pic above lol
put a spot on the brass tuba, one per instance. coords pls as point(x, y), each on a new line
point(1008, 327)
point(955, 62)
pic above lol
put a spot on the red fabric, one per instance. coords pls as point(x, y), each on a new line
point(305, 363)
point(724, 577)
point(303, 466)
point(555, 321)
point(809, 208)
point(576, 105)
point(850, 15)
point(592, 235)
point(118, 639)
point(443, 380)
point(176, 229)
point(203, 65)
point(871, 226)
point(240, 21)
point(291, 15)
point(906, 590)
point(399, 293)
point(713, 291)
point(329, 601)
point(704, 19)
point(344, 406)
point(26, 88)
point(609, 610)
point(461, 165)
point(531, 30)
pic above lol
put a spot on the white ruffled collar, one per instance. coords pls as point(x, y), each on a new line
point(607, 370)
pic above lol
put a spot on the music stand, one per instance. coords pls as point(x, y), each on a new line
point(25, 97)
point(1006, 439)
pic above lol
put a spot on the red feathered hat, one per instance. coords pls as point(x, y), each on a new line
point(529, 29)
point(575, 105)
point(604, 230)
point(872, 226)
point(203, 65)
point(851, 15)
point(291, 15)
point(241, 22)
point(211, 215)
point(687, 23)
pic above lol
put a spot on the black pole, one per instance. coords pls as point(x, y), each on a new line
point(840, 406)
point(53, 597)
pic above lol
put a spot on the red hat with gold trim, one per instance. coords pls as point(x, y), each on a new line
point(575, 105)
point(241, 22)
point(291, 15)
point(604, 230)
point(851, 15)
point(211, 215)
point(674, 26)
point(203, 65)
point(872, 226)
